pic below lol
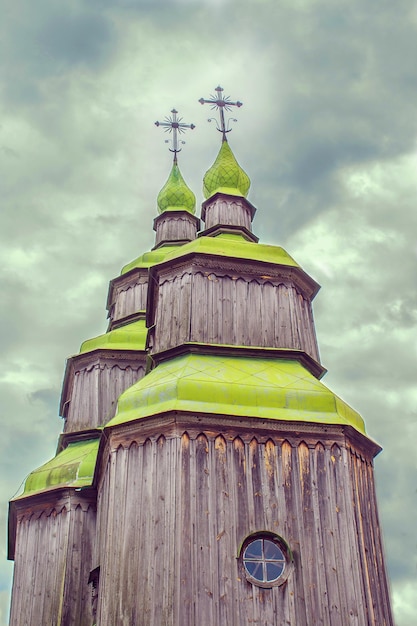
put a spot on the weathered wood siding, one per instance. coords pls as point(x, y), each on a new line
point(96, 383)
point(174, 510)
point(52, 565)
point(227, 212)
point(128, 296)
point(171, 227)
point(215, 307)
point(370, 538)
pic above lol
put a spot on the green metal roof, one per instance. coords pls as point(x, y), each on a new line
point(149, 258)
point(277, 389)
point(73, 467)
point(226, 175)
point(129, 337)
point(236, 246)
point(175, 195)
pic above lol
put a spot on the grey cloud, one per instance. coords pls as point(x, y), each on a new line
point(74, 39)
point(376, 359)
point(403, 311)
point(46, 396)
point(9, 152)
point(346, 102)
point(33, 436)
point(52, 40)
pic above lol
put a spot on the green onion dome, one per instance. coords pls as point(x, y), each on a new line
point(175, 195)
point(226, 175)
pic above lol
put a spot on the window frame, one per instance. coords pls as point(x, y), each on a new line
point(283, 548)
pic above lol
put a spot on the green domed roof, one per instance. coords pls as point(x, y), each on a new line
point(235, 246)
point(129, 337)
point(277, 389)
point(226, 175)
point(175, 195)
point(148, 259)
point(73, 467)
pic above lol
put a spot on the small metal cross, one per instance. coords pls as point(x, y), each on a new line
point(174, 125)
point(223, 104)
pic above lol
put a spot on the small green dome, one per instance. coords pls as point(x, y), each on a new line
point(226, 175)
point(175, 195)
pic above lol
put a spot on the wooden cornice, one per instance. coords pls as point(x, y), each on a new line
point(174, 423)
point(74, 437)
point(229, 228)
point(124, 321)
point(260, 352)
point(171, 242)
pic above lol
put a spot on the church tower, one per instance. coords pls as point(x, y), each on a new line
point(205, 474)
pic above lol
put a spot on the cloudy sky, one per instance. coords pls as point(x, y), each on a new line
point(328, 136)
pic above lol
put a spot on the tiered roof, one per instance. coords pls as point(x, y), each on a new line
point(276, 385)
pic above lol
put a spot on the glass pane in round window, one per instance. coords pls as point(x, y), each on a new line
point(264, 561)
point(255, 569)
point(271, 549)
point(254, 550)
point(274, 570)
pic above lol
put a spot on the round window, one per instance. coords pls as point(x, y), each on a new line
point(265, 559)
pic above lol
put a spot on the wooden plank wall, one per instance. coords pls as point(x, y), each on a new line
point(52, 565)
point(174, 511)
point(227, 212)
point(222, 308)
point(369, 530)
point(129, 299)
point(175, 227)
point(95, 391)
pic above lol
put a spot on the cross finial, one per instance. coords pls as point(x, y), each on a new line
point(221, 103)
point(174, 125)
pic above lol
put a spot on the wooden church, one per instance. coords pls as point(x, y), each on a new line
point(205, 475)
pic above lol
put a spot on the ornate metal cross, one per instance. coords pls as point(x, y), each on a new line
point(174, 125)
point(221, 103)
